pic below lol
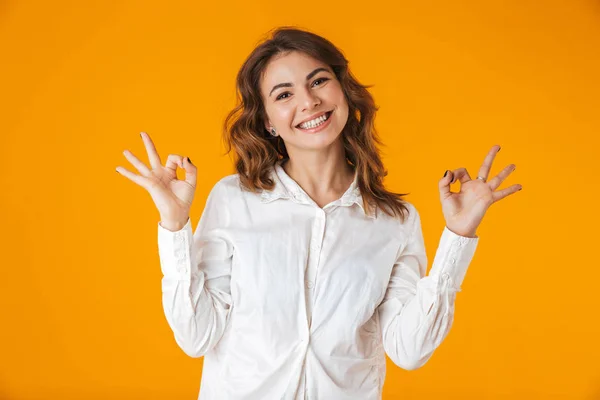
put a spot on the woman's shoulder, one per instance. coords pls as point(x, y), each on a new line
point(232, 183)
point(228, 184)
point(408, 214)
point(231, 186)
point(229, 180)
point(411, 216)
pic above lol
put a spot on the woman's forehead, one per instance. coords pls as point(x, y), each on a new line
point(293, 65)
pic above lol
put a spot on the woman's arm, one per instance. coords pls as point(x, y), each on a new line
point(417, 311)
point(196, 269)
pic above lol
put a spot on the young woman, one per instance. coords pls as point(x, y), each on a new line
point(304, 271)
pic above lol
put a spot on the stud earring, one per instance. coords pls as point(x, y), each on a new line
point(273, 131)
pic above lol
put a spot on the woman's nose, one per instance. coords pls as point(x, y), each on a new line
point(310, 100)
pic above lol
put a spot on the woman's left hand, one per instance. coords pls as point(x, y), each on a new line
point(464, 210)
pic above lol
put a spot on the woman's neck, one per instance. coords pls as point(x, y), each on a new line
point(324, 180)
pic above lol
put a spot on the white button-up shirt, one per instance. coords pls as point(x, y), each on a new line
point(288, 300)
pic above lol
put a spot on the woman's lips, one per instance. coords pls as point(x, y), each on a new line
point(320, 127)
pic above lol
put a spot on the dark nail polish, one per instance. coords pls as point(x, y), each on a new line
point(445, 173)
point(499, 149)
point(190, 161)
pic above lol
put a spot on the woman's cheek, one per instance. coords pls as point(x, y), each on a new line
point(288, 116)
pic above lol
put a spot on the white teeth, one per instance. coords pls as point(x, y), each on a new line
point(314, 123)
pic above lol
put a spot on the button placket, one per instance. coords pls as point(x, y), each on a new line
point(316, 244)
point(318, 228)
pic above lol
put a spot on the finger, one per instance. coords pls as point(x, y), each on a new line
point(460, 174)
point(444, 185)
point(484, 170)
point(502, 175)
point(174, 160)
point(500, 194)
point(153, 156)
point(140, 180)
point(190, 171)
point(140, 166)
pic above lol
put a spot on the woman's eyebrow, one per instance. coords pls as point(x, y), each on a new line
point(287, 84)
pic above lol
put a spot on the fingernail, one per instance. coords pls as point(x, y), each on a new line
point(190, 161)
point(498, 149)
point(445, 173)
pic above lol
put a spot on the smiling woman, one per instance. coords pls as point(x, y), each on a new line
point(293, 286)
point(298, 82)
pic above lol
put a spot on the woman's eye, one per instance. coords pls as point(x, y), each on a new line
point(284, 93)
point(320, 79)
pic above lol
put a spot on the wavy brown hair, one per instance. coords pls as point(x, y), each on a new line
point(256, 150)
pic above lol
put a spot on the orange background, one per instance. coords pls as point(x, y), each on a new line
point(80, 289)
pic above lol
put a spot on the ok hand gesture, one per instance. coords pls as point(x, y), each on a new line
point(172, 197)
point(464, 210)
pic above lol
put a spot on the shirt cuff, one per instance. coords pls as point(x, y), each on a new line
point(175, 251)
point(453, 256)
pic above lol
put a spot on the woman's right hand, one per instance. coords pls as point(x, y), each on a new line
point(172, 197)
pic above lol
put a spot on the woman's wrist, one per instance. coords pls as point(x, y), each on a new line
point(173, 225)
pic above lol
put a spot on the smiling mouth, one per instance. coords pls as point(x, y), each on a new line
point(327, 116)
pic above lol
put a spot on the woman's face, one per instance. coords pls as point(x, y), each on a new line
point(297, 88)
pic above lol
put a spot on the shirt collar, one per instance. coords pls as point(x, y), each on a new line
point(287, 188)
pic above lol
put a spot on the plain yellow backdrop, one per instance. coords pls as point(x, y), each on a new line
point(80, 286)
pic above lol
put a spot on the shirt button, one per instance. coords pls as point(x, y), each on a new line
point(309, 284)
point(453, 260)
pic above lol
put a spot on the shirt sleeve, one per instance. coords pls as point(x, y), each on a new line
point(196, 293)
point(417, 310)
